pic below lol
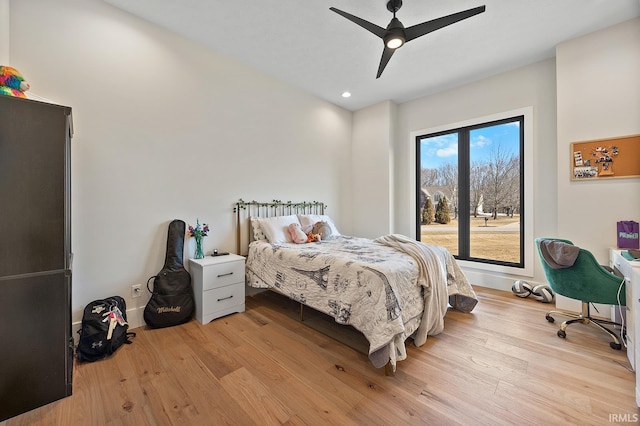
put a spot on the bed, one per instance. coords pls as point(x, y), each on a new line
point(389, 288)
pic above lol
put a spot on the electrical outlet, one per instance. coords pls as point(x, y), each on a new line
point(136, 290)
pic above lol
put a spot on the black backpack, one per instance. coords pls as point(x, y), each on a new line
point(172, 302)
point(96, 342)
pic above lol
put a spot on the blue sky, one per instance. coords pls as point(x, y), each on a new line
point(439, 150)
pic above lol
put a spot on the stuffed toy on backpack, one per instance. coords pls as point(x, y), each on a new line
point(12, 83)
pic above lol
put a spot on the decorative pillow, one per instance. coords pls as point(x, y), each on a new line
point(276, 228)
point(256, 229)
point(308, 220)
point(324, 229)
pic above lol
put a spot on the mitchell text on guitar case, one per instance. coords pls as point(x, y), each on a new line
point(171, 300)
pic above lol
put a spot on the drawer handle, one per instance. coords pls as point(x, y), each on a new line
point(225, 298)
point(224, 275)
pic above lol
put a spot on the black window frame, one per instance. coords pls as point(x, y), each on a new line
point(464, 167)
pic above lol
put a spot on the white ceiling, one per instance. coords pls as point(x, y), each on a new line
point(303, 43)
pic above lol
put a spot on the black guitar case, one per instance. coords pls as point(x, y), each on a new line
point(171, 300)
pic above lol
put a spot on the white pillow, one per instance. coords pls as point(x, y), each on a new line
point(308, 220)
point(256, 229)
point(276, 228)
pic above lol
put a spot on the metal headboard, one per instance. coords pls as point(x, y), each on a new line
point(247, 209)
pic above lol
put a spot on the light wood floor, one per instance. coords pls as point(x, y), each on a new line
point(501, 364)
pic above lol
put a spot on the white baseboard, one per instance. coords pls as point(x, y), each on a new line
point(496, 282)
point(135, 317)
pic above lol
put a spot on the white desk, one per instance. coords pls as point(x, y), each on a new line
point(631, 272)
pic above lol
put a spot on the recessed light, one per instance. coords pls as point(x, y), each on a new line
point(346, 94)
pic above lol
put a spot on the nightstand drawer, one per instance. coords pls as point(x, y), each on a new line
point(222, 298)
point(223, 274)
point(218, 286)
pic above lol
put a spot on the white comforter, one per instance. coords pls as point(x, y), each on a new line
point(379, 287)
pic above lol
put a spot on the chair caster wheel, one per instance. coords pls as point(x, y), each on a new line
point(616, 346)
point(550, 318)
point(562, 334)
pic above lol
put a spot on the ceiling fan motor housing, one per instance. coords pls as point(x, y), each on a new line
point(394, 5)
point(395, 31)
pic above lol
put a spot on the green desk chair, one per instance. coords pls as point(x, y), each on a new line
point(585, 280)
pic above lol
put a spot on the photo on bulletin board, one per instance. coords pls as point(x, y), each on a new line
point(606, 158)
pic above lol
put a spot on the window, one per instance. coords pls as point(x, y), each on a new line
point(471, 190)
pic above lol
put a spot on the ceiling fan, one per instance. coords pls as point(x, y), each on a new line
point(396, 35)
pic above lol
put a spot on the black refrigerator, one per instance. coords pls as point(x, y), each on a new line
point(36, 346)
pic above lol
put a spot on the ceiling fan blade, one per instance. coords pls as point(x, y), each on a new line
point(430, 26)
point(386, 55)
point(373, 28)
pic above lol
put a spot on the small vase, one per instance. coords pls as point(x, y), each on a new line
point(199, 253)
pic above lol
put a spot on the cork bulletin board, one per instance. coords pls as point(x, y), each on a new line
point(606, 158)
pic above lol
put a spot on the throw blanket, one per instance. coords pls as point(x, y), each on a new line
point(442, 280)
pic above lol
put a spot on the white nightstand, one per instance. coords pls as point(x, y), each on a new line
point(218, 286)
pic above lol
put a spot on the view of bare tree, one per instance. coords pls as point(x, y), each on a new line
point(502, 178)
point(428, 177)
point(476, 186)
point(494, 183)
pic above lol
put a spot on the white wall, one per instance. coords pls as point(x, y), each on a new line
point(4, 32)
point(371, 168)
point(598, 97)
point(166, 129)
point(530, 86)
